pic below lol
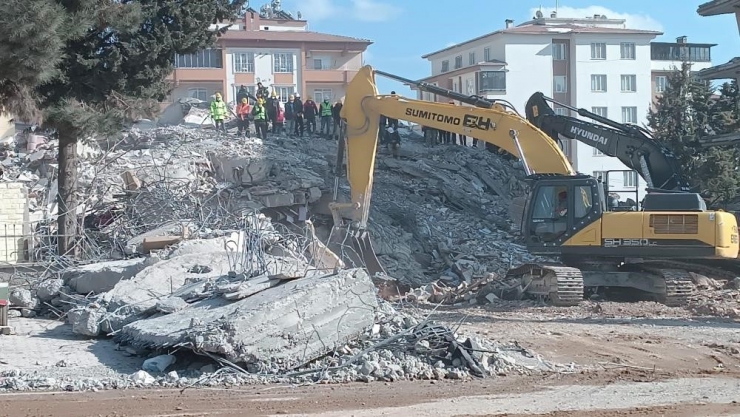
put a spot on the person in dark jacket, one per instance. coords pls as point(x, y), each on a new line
point(299, 116)
point(335, 115)
point(290, 114)
point(272, 109)
point(262, 91)
point(309, 113)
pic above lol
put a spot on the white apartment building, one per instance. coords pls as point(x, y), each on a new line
point(593, 63)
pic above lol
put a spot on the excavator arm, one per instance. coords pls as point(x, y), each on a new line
point(630, 144)
point(489, 122)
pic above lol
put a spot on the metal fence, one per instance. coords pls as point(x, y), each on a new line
point(36, 242)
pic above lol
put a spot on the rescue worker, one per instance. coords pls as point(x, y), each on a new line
point(430, 135)
point(452, 137)
point(272, 105)
point(260, 119)
point(218, 112)
point(335, 114)
point(242, 93)
point(382, 134)
point(277, 127)
point(326, 115)
point(262, 90)
point(299, 116)
point(309, 113)
point(290, 113)
point(242, 113)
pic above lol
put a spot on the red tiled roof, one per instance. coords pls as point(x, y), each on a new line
point(290, 36)
point(532, 29)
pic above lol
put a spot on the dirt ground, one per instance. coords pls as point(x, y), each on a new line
point(639, 359)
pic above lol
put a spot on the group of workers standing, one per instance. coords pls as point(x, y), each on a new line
point(268, 112)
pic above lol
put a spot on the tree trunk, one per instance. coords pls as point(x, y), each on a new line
point(67, 197)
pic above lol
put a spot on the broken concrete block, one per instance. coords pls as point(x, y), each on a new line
point(134, 245)
point(239, 170)
point(314, 194)
point(130, 181)
point(158, 363)
point(159, 242)
point(86, 320)
point(286, 325)
point(299, 197)
point(103, 276)
point(49, 289)
point(142, 378)
point(141, 293)
point(278, 200)
point(20, 297)
point(171, 305)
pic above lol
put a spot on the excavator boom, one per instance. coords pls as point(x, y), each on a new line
point(630, 144)
point(495, 125)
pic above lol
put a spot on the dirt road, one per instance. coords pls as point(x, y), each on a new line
point(629, 359)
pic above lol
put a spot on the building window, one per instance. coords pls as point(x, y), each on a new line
point(598, 51)
point(458, 62)
point(492, 80)
point(600, 175)
point(445, 66)
point(469, 87)
point(471, 59)
point(564, 145)
point(560, 84)
point(559, 52)
point(627, 50)
point(629, 115)
point(561, 111)
point(244, 62)
point(601, 111)
point(661, 81)
point(199, 93)
point(282, 63)
point(679, 52)
point(598, 83)
point(207, 58)
point(487, 54)
point(629, 83)
point(630, 179)
point(284, 92)
point(319, 94)
point(598, 152)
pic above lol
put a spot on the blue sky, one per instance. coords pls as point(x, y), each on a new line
point(404, 30)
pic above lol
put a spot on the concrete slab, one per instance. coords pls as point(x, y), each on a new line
point(278, 327)
point(141, 293)
point(103, 276)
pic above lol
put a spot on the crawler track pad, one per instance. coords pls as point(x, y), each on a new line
point(562, 285)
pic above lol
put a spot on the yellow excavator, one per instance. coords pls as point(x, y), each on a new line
point(565, 214)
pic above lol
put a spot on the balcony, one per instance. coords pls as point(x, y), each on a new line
point(196, 74)
point(340, 75)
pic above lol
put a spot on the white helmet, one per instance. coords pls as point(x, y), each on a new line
point(297, 95)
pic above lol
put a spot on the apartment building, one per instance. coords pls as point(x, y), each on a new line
point(731, 69)
point(593, 63)
point(278, 51)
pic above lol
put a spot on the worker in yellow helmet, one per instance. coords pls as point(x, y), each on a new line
point(218, 112)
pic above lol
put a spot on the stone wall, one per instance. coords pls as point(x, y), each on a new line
point(13, 221)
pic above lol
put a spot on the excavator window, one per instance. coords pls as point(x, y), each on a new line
point(583, 202)
point(549, 215)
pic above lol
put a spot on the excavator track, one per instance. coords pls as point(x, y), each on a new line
point(672, 283)
point(563, 285)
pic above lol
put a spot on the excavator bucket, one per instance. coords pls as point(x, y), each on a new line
point(352, 244)
point(355, 248)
